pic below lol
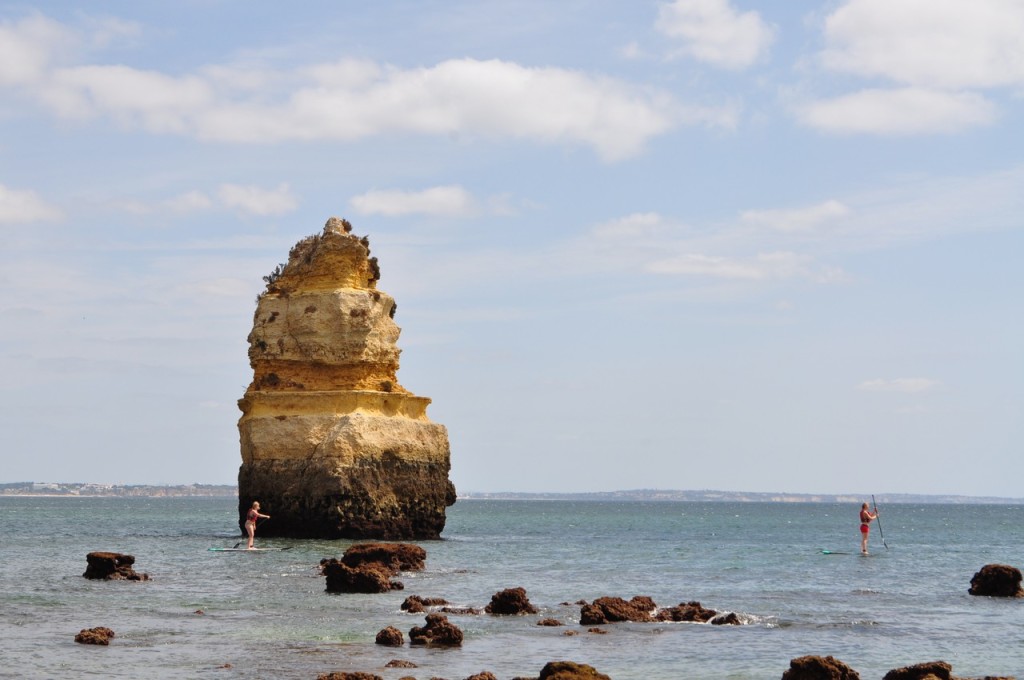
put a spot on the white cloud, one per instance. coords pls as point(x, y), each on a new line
point(446, 201)
point(948, 44)
point(797, 219)
point(467, 97)
point(899, 112)
point(938, 54)
point(907, 385)
point(19, 205)
point(258, 201)
point(636, 225)
point(188, 202)
point(761, 267)
point(27, 47)
point(713, 31)
point(154, 101)
point(350, 99)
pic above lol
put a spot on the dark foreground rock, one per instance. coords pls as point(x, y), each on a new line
point(94, 636)
point(348, 676)
point(510, 601)
point(997, 580)
point(112, 566)
point(642, 609)
point(687, 611)
point(366, 578)
point(932, 670)
point(414, 604)
point(568, 670)
point(394, 556)
point(639, 609)
point(390, 637)
point(438, 631)
point(368, 567)
point(819, 668)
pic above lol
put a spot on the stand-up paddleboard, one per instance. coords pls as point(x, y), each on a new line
point(835, 552)
point(247, 549)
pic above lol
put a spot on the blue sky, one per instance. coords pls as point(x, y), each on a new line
point(702, 244)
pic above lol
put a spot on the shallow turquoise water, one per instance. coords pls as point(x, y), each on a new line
point(267, 614)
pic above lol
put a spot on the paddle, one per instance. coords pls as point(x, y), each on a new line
point(880, 534)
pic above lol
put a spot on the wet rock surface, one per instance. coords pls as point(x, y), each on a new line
point(510, 601)
point(437, 632)
point(111, 566)
point(997, 580)
point(100, 635)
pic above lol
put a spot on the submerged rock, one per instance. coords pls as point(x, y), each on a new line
point(332, 445)
point(997, 580)
point(111, 566)
point(94, 636)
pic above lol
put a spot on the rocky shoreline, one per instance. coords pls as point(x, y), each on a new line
point(372, 568)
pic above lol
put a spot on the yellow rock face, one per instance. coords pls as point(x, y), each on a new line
point(332, 445)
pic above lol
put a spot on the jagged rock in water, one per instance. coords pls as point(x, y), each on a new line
point(437, 631)
point(819, 668)
point(932, 670)
point(111, 566)
point(510, 601)
point(570, 670)
point(997, 580)
point(94, 636)
point(390, 637)
point(332, 445)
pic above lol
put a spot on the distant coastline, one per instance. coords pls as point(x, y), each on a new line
point(745, 497)
point(89, 490)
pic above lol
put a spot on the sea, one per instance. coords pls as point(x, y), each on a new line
point(229, 615)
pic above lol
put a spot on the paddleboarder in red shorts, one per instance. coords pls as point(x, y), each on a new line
point(865, 526)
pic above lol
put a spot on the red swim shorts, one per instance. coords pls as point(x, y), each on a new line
point(863, 528)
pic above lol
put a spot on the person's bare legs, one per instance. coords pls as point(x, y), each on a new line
point(864, 542)
point(251, 528)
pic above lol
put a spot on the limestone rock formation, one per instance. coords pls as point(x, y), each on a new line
point(332, 445)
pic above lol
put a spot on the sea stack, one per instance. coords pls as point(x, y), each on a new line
point(332, 445)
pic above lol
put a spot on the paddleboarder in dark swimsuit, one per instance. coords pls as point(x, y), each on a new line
point(865, 526)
